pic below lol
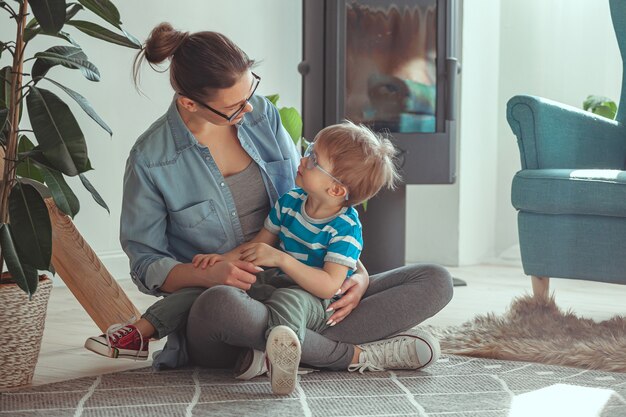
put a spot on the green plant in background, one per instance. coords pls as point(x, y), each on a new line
point(601, 106)
point(33, 167)
point(291, 120)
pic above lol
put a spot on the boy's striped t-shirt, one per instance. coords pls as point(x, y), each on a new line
point(335, 239)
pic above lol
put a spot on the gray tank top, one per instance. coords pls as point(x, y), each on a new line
point(251, 199)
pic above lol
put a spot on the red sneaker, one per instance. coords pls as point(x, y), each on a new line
point(119, 341)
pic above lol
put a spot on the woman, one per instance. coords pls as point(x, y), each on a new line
point(202, 179)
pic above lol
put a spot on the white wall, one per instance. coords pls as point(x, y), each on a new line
point(269, 31)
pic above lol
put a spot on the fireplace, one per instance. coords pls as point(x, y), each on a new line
point(391, 65)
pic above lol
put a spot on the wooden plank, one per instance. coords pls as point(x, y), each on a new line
point(85, 275)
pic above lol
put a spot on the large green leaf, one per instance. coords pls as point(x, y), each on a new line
point(292, 122)
point(26, 168)
point(33, 29)
point(72, 9)
point(94, 193)
point(24, 276)
point(99, 32)
point(105, 9)
point(66, 37)
point(4, 115)
point(32, 23)
point(49, 13)
point(58, 134)
point(84, 104)
point(36, 155)
point(41, 188)
point(68, 56)
point(131, 37)
point(5, 87)
point(63, 196)
point(30, 224)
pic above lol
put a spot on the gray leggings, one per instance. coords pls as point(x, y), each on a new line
point(224, 319)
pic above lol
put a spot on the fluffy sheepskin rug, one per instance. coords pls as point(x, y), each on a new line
point(536, 330)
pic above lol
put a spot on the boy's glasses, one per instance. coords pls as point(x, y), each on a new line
point(255, 84)
point(311, 163)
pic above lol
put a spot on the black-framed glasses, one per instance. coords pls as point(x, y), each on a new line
point(311, 163)
point(255, 84)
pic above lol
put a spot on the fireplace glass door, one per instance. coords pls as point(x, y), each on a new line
point(390, 79)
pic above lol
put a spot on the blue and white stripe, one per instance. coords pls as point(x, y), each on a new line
point(335, 239)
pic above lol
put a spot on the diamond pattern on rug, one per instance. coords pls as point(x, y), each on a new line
point(455, 386)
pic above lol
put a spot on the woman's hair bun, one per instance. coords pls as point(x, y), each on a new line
point(163, 42)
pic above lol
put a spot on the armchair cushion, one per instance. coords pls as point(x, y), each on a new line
point(594, 192)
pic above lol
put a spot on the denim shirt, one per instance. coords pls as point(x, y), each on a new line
point(177, 204)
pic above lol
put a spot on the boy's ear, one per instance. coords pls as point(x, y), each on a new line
point(338, 190)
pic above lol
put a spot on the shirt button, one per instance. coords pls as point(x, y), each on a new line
point(233, 214)
point(221, 184)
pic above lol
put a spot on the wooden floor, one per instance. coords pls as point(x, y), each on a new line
point(489, 289)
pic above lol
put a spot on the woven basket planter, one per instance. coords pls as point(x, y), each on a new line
point(21, 329)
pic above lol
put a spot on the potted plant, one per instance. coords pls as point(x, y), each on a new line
point(37, 160)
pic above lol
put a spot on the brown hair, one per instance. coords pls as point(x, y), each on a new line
point(201, 62)
point(363, 160)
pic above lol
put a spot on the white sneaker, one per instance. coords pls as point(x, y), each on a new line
point(413, 349)
point(250, 364)
point(283, 354)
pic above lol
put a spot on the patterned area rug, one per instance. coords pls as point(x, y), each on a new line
point(536, 330)
point(453, 387)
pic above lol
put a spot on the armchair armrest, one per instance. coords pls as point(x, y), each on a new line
point(554, 135)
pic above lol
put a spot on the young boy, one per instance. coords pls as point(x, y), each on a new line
point(320, 240)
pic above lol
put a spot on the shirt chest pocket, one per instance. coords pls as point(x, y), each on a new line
point(199, 225)
point(282, 175)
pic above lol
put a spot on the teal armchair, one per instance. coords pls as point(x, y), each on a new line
point(571, 191)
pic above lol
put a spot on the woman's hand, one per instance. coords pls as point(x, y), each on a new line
point(237, 274)
point(202, 260)
point(261, 254)
point(352, 290)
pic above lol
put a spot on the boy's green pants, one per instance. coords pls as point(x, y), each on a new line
point(288, 304)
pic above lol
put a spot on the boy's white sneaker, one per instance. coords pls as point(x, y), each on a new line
point(413, 349)
point(283, 353)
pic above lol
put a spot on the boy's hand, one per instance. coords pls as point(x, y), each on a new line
point(209, 259)
point(261, 254)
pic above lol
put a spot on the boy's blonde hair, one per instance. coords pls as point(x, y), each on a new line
point(363, 160)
